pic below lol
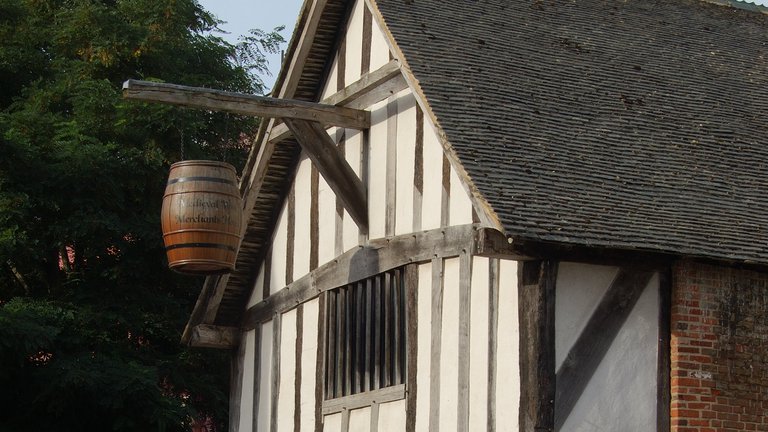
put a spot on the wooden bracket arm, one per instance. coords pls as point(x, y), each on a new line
point(240, 103)
point(210, 336)
point(321, 149)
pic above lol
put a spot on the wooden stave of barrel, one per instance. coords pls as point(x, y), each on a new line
point(201, 217)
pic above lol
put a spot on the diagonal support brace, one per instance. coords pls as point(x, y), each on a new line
point(321, 149)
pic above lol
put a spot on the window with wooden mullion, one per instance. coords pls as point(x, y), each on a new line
point(365, 340)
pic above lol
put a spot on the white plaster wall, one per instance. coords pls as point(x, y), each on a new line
point(330, 84)
point(354, 40)
point(423, 349)
point(246, 398)
point(377, 170)
point(406, 150)
point(353, 146)
point(303, 194)
point(391, 417)
point(621, 396)
point(258, 288)
point(433, 178)
point(460, 206)
point(332, 423)
point(265, 378)
point(308, 362)
point(579, 290)
point(379, 46)
point(449, 350)
point(508, 350)
point(360, 419)
point(279, 251)
point(287, 390)
point(326, 209)
point(478, 344)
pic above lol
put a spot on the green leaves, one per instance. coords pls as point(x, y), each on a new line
point(90, 317)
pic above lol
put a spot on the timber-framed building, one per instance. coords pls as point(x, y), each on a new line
point(557, 220)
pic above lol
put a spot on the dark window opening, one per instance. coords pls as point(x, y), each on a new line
point(365, 335)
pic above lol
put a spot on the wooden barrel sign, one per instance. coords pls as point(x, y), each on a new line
point(201, 217)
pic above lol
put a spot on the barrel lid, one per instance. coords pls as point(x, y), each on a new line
point(204, 163)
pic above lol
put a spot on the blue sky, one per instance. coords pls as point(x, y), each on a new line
point(243, 15)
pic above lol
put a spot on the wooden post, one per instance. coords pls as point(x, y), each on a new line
point(537, 345)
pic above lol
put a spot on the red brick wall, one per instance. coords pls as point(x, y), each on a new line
point(719, 349)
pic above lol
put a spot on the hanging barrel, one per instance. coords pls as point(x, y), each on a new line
point(201, 217)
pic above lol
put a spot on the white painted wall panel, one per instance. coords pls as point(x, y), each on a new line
point(449, 355)
point(353, 146)
point(360, 419)
point(332, 423)
point(433, 178)
point(406, 150)
point(424, 338)
point(580, 287)
point(508, 344)
point(308, 363)
point(379, 47)
point(246, 398)
point(460, 209)
point(354, 44)
point(621, 395)
point(279, 250)
point(258, 287)
point(392, 416)
point(330, 85)
point(265, 378)
point(326, 209)
point(303, 195)
point(377, 170)
point(478, 345)
point(287, 391)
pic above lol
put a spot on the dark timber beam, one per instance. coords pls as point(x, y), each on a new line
point(596, 338)
point(365, 261)
point(259, 106)
point(371, 88)
point(321, 149)
point(536, 313)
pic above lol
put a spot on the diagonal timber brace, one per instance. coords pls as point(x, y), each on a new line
point(240, 103)
point(321, 149)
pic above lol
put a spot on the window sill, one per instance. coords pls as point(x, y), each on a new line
point(361, 400)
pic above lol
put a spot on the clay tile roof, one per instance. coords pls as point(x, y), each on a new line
point(633, 124)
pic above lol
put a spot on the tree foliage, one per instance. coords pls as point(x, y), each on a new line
point(90, 317)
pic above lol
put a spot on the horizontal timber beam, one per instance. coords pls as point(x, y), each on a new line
point(341, 178)
point(362, 400)
point(240, 103)
point(365, 261)
point(210, 336)
point(371, 88)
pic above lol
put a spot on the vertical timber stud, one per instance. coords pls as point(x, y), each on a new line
point(320, 361)
point(275, 384)
point(536, 282)
point(297, 379)
point(465, 296)
point(236, 385)
point(256, 376)
point(493, 336)
point(436, 346)
point(411, 317)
